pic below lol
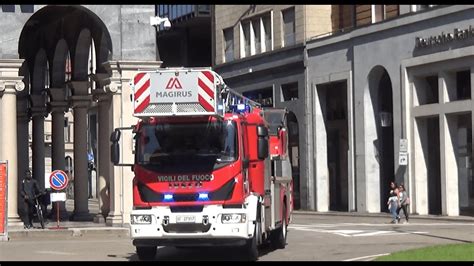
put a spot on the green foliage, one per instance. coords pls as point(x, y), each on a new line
point(452, 252)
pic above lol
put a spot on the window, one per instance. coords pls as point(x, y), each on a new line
point(346, 16)
point(257, 36)
point(463, 85)
point(8, 8)
point(245, 40)
point(289, 91)
point(415, 8)
point(378, 13)
point(67, 130)
point(288, 27)
point(47, 81)
point(426, 90)
point(68, 68)
point(27, 8)
point(267, 33)
point(262, 96)
point(228, 44)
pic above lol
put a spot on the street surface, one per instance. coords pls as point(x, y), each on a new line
point(310, 237)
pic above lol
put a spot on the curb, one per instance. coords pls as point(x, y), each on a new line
point(69, 233)
point(412, 216)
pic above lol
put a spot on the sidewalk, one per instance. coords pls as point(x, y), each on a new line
point(70, 229)
point(382, 214)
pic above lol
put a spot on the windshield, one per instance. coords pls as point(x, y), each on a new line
point(187, 147)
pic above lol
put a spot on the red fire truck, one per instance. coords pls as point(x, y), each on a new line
point(211, 166)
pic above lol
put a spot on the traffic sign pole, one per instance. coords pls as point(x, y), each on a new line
point(57, 214)
point(58, 181)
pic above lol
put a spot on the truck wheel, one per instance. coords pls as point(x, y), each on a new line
point(146, 253)
point(279, 237)
point(251, 247)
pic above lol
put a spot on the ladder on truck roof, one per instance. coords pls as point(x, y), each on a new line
point(236, 102)
point(185, 92)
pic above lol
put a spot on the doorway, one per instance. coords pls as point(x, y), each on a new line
point(293, 148)
point(429, 138)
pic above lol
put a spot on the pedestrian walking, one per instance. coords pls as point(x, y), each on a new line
point(404, 202)
point(393, 187)
point(393, 206)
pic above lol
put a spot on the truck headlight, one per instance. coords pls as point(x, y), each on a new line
point(233, 218)
point(141, 219)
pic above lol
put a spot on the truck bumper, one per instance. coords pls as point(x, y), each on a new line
point(206, 228)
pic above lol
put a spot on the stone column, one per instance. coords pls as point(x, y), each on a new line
point(10, 84)
point(23, 119)
point(103, 94)
point(58, 106)
point(115, 178)
point(80, 103)
point(38, 113)
point(449, 165)
point(320, 144)
point(121, 196)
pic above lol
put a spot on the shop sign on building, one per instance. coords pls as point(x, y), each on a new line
point(443, 38)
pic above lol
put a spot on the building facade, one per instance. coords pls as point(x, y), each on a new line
point(71, 62)
point(259, 51)
point(383, 94)
point(407, 84)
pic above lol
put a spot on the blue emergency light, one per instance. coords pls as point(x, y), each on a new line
point(168, 197)
point(203, 196)
point(239, 108)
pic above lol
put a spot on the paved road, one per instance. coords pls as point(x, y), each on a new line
point(310, 237)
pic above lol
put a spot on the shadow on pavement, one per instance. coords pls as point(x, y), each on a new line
point(398, 229)
point(202, 253)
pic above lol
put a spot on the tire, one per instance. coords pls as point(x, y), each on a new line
point(146, 253)
point(251, 247)
point(39, 212)
point(279, 237)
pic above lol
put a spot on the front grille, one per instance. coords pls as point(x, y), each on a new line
point(186, 228)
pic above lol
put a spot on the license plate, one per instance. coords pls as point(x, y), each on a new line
point(185, 219)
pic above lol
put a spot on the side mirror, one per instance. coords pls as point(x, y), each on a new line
point(115, 153)
point(262, 148)
point(262, 142)
point(115, 136)
point(262, 131)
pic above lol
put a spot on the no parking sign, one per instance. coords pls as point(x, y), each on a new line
point(58, 180)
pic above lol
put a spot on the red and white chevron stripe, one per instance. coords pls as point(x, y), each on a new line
point(142, 91)
point(206, 93)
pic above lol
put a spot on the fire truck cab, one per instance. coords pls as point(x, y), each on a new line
point(211, 166)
